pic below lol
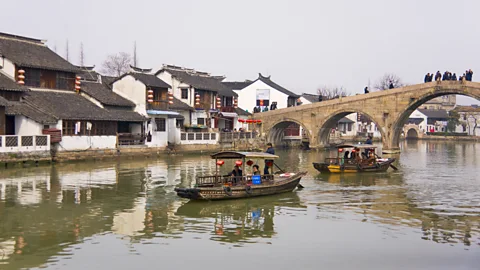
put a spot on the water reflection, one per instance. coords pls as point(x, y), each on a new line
point(46, 211)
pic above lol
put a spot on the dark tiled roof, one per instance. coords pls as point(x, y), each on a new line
point(105, 95)
point(71, 106)
point(27, 52)
point(199, 80)
point(9, 85)
point(21, 108)
point(108, 80)
point(143, 70)
point(269, 82)
point(3, 102)
point(345, 120)
point(179, 105)
point(237, 85)
point(149, 80)
point(88, 74)
point(434, 113)
point(311, 97)
point(126, 115)
point(241, 111)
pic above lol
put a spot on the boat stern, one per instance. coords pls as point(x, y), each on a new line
point(188, 193)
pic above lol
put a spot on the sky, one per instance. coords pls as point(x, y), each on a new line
point(302, 45)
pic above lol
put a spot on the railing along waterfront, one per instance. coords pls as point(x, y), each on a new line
point(198, 137)
point(231, 136)
point(130, 139)
point(29, 143)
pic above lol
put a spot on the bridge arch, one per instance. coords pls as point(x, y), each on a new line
point(332, 119)
point(399, 123)
point(275, 132)
point(412, 131)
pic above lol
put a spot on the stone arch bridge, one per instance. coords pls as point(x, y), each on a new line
point(389, 109)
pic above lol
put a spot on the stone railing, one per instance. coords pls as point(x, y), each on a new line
point(232, 136)
point(198, 138)
point(30, 143)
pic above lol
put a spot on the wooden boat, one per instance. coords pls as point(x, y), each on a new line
point(365, 160)
point(218, 187)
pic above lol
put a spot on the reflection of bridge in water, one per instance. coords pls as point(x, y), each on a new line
point(389, 110)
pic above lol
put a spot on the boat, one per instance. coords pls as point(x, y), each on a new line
point(224, 187)
point(365, 160)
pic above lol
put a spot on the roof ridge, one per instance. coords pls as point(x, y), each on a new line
point(39, 42)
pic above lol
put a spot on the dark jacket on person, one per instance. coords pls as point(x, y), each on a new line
point(454, 77)
point(234, 173)
point(368, 141)
point(427, 78)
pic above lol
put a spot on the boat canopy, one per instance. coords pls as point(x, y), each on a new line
point(359, 146)
point(236, 155)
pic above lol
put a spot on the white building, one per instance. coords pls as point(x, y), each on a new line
point(429, 120)
point(51, 106)
point(469, 119)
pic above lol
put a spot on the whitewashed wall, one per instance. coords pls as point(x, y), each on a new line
point(177, 86)
point(247, 97)
point(8, 68)
point(26, 126)
point(129, 88)
point(69, 143)
point(423, 124)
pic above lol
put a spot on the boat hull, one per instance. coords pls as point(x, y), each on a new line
point(239, 192)
point(353, 168)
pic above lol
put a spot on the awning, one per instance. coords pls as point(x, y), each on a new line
point(176, 116)
point(157, 112)
point(229, 114)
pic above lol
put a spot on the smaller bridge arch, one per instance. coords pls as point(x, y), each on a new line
point(275, 132)
point(412, 131)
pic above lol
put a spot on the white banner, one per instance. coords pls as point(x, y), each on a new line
point(263, 94)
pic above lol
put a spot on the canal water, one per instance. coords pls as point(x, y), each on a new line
point(125, 215)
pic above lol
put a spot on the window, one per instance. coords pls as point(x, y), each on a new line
point(184, 93)
point(46, 126)
point(180, 123)
point(32, 77)
point(98, 128)
point(228, 102)
point(200, 121)
point(349, 127)
point(161, 124)
point(49, 79)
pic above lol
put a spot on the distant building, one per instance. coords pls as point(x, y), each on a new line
point(429, 120)
point(469, 119)
point(446, 103)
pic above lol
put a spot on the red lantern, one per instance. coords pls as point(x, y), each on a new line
point(238, 163)
point(259, 121)
point(220, 162)
point(340, 150)
point(249, 121)
point(269, 163)
point(353, 151)
point(250, 162)
point(241, 120)
point(261, 102)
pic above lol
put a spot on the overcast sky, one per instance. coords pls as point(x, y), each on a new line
point(302, 44)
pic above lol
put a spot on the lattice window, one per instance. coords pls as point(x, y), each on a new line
point(183, 136)
point(161, 124)
point(206, 136)
point(27, 140)
point(191, 136)
point(11, 141)
point(213, 136)
point(41, 140)
point(198, 136)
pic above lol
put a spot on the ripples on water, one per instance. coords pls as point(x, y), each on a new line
point(52, 215)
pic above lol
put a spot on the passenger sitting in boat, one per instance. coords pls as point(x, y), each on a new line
point(236, 171)
point(256, 170)
point(371, 159)
point(346, 155)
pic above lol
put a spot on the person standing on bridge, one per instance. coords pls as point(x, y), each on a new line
point(391, 85)
point(366, 90)
point(427, 78)
point(454, 77)
point(438, 76)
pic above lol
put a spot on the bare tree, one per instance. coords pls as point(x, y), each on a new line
point(332, 92)
point(135, 60)
point(116, 64)
point(82, 55)
point(389, 78)
point(67, 51)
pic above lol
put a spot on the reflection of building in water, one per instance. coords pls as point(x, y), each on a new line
point(132, 221)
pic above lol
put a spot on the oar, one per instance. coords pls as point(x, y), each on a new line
point(391, 165)
point(298, 185)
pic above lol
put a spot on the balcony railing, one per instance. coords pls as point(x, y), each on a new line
point(231, 136)
point(227, 109)
point(17, 143)
point(161, 105)
point(198, 137)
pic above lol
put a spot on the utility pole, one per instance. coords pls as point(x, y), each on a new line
point(135, 60)
point(82, 55)
point(67, 53)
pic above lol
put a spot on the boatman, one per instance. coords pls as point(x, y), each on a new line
point(271, 151)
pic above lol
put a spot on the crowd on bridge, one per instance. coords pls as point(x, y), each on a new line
point(448, 76)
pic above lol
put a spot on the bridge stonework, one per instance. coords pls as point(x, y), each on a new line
point(389, 109)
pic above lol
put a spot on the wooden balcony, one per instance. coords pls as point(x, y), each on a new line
point(228, 109)
point(160, 105)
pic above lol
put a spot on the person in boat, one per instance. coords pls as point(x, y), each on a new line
point(369, 140)
point(371, 158)
point(236, 174)
point(256, 169)
point(271, 151)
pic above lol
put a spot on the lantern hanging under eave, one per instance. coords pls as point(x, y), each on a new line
point(150, 92)
point(340, 150)
point(150, 96)
point(241, 120)
point(77, 83)
point(238, 163)
point(150, 100)
point(235, 103)
point(250, 162)
point(259, 121)
point(249, 121)
point(220, 162)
